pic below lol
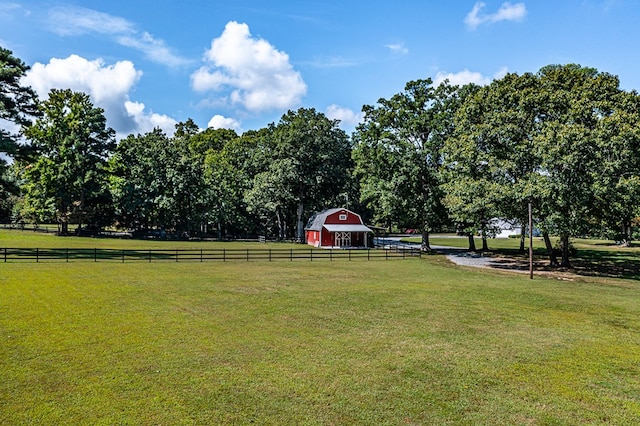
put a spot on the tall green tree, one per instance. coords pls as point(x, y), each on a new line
point(186, 190)
point(617, 186)
point(270, 199)
point(159, 182)
point(267, 201)
point(18, 105)
point(70, 176)
point(470, 184)
point(563, 139)
point(398, 154)
point(182, 184)
point(308, 166)
point(223, 179)
point(492, 167)
point(138, 179)
point(573, 102)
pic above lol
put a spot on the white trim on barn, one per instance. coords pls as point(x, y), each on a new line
point(347, 228)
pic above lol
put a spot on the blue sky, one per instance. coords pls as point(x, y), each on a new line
point(242, 64)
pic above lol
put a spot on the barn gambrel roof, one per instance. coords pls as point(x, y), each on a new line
point(317, 221)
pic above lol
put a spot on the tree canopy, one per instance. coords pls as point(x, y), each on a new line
point(565, 139)
point(68, 179)
point(553, 139)
point(18, 106)
point(398, 154)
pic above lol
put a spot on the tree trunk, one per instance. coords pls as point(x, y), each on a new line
point(564, 245)
point(426, 247)
point(522, 238)
point(472, 243)
point(63, 219)
point(485, 247)
point(627, 234)
point(300, 230)
point(553, 260)
point(280, 228)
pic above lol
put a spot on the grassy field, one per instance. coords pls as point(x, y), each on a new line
point(415, 341)
point(30, 239)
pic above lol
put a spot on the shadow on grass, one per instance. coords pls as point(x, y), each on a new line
point(607, 263)
point(613, 263)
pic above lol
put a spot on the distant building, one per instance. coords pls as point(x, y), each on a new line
point(337, 228)
point(510, 228)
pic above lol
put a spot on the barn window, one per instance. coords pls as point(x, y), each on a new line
point(343, 217)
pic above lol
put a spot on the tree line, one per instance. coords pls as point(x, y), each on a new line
point(432, 157)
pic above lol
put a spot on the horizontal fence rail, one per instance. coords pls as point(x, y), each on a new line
point(200, 255)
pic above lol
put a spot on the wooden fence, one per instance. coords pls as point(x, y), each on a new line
point(202, 255)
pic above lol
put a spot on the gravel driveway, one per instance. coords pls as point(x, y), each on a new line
point(479, 260)
point(466, 258)
point(461, 256)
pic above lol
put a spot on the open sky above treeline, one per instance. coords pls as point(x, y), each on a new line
point(242, 64)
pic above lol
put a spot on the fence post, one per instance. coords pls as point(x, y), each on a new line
point(224, 255)
point(331, 255)
point(247, 255)
point(349, 255)
point(176, 255)
point(201, 260)
point(95, 254)
point(386, 254)
point(311, 257)
point(149, 255)
point(67, 254)
point(269, 255)
point(37, 255)
point(291, 255)
point(368, 254)
point(122, 255)
point(5, 255)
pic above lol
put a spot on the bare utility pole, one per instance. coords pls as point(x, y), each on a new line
point(530, 244)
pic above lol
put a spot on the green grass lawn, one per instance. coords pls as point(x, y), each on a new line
point(30, 239)
point(415, 341)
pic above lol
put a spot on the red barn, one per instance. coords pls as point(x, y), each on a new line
point(336, 228)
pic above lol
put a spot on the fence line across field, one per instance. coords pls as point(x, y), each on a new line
point(202, 255)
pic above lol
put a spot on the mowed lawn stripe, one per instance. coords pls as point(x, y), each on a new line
point(416, 342)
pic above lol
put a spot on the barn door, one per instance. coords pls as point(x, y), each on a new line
point(343, 239)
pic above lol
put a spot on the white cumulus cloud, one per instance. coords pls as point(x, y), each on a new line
point(345, 115)
point(465, 77)
point(221, 122)
point(108, 86)
point(506, 12)
point(146, 122)
point(252, 73)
